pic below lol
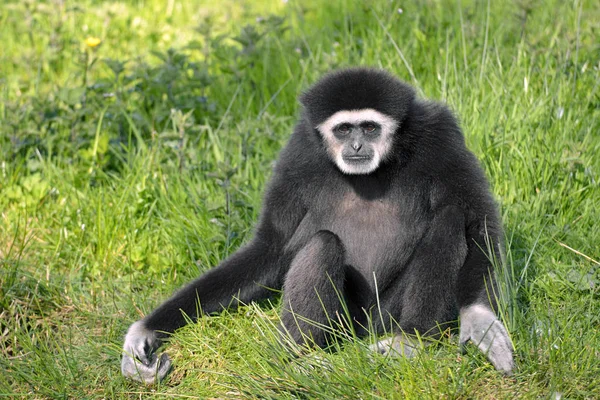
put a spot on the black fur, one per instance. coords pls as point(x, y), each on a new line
point(355, 89)
point(415, 230)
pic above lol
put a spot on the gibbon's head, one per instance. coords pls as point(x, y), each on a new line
point(357, 112)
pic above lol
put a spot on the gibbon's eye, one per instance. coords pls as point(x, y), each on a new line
point(369, 127)
point(344, 129)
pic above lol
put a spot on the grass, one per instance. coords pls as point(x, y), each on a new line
point(127, 169)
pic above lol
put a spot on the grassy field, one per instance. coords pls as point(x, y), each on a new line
point(129, 167)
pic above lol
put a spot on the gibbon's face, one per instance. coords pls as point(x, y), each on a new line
point(358, 140)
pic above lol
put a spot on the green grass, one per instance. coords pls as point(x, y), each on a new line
point(128, 169)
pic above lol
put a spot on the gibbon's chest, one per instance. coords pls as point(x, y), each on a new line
point(369, 229)
point(378, 234)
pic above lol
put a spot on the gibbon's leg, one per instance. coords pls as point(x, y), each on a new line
point(313, 290)
point(424, 295)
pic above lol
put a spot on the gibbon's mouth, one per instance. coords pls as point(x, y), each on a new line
point(357, 159)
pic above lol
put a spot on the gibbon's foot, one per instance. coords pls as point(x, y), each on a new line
point(140, 362)
point(399, 345)
point(480, 325)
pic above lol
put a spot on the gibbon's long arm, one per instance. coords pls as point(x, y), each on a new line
point(476, 297)
point(247, 275)
point(475, 278)
point(462, 255)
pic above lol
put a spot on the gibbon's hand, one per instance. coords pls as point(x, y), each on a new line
point(480, 325)
point(140, 361)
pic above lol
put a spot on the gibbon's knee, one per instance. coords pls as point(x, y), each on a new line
point(324, 253)
point(313, 289)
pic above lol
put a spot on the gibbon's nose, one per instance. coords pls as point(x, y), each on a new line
point(356, 146)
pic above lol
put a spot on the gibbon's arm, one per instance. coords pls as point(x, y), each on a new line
point(476, 296)
point(247, 275)
point(443, 250)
